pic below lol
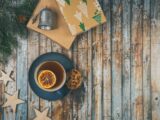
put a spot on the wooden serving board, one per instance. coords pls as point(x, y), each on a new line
point(61, 34)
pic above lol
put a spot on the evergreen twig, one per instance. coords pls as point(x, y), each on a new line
point(13, 20)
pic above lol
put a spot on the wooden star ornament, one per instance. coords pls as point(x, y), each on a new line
point(41, 115)
point(5, 78)
point(12, 101)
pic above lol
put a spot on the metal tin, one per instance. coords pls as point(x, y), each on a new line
point(47, 19)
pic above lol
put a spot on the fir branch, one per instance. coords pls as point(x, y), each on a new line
point(12, 25)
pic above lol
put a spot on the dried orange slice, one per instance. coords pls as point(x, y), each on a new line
point(74, 80)
point(46, 79)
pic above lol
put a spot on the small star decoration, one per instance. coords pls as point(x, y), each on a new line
point(12, 101)
point(5, 78)
point(41, 115)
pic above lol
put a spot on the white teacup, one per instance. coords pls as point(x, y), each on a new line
point(57, 69)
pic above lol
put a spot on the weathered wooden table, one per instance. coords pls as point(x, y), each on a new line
point(119, 60)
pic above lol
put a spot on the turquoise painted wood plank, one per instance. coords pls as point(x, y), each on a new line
point(106, 63)
point(136, 60)
point(22, 78)
point(147, 114)
point(116, 29)
point(126, 60)
point(155, 57)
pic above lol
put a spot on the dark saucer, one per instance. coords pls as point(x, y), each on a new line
point(53, 56)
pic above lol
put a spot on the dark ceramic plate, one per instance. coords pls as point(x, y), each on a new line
point(53, 56)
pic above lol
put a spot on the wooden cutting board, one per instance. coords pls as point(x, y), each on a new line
point(61, 34)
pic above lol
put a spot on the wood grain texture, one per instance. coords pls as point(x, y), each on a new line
point(1, 85)
point(10, 68)
point(106, 62)
point(119, 62)
point(22, 78)
point(147, 60)
point(73, 94)
point(97, 73)
point(33, 53)
point(68, 100)
point(126, 60)
point(116, 60)
point(136, 60)
point(1, 92)
point(89, 76)
point(155, 57)
point(57, 108)
point(82, 67)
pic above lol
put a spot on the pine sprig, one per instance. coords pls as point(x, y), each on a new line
point(13, 20)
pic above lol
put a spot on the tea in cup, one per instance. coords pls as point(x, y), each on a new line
point(50, 76)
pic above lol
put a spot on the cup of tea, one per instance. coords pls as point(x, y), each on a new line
point(50, 76)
